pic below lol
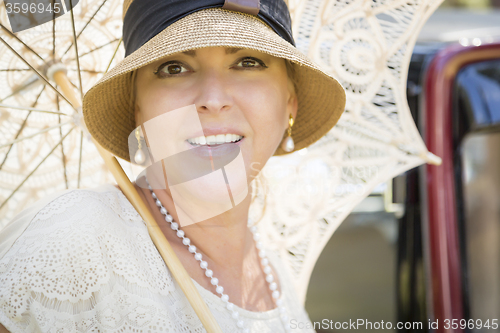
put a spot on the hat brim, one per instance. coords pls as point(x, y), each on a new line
point(109, 113)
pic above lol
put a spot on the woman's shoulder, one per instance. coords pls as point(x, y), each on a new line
point(84, 203)
point(85, 223)
point(80, 252)
point(62, 208)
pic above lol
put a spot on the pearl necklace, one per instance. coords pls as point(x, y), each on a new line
point(278, 299)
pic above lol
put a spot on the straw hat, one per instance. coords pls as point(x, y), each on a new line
point(108, 110)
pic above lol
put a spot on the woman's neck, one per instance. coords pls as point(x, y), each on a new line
point(227, 245)
point(224, 239)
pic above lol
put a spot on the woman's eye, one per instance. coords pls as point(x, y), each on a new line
point(170, 68)
point(251, 62)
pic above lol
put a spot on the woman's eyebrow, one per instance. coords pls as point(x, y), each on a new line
point(229, 50)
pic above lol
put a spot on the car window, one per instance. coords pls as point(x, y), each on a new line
point(481, 191)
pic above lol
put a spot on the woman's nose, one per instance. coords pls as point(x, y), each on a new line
point(214, 93)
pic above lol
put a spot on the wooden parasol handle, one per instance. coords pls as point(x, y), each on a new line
point(176, 268)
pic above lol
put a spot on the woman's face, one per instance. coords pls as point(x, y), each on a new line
point(235, 91)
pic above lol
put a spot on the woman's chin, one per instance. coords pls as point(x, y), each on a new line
point(211, 191)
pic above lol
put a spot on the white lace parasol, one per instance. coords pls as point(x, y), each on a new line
point(366, 44)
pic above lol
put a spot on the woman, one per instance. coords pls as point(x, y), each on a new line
point(83, 260)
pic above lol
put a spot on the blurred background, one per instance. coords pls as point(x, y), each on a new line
point(373, 268)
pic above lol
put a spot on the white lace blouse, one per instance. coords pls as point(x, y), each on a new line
point(83, 261)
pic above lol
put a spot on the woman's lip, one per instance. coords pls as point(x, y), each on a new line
point(207, 131)
point(196, 162)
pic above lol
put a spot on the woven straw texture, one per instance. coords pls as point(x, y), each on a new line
point(109, 114)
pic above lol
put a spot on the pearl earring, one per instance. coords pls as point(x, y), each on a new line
point(287, 144)
point(139, 157)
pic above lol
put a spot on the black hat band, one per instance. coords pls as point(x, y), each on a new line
point(147, 18)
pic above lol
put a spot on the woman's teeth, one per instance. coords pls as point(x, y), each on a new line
point(215, 139)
